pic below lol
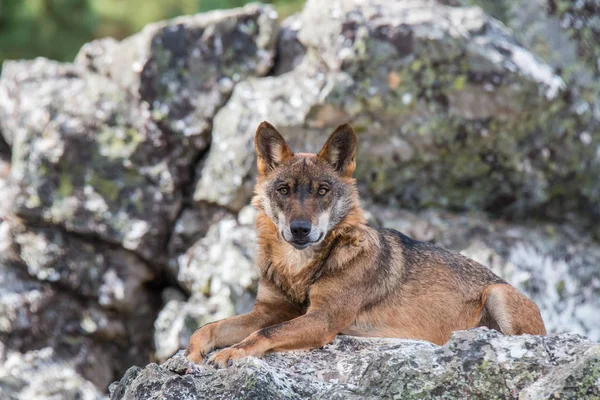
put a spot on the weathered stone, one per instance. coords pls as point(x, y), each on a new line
point(290, 52)
point(221, 263)
point(4, 149)
point(474, 364)
point(84, 300)
point(563, 34)
point(219, 273)
point(107, 152)
point(450, 113)
point(86, 157)
point(192, 225)
point(35, 316)
point(6, 192)
point(581, 20)
point(185, 68)
point(536, 28)
point(113, 277)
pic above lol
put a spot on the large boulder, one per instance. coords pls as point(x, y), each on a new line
point(86, 302)
point(104, 147)
point(450, 112)
point(87, 157)
point(473, 364)
point(185, 68)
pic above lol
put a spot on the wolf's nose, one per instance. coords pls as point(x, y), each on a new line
point(300, 228)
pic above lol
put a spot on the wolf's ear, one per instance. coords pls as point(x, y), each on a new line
point(271, 148)
point(340, 150)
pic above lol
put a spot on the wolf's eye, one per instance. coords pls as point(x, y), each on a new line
point(323, 191)
point(284, 191)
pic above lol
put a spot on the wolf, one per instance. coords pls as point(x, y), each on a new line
point(325, 271)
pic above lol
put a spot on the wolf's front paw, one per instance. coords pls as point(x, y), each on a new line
point(200, 344)
point(226, 357)
point(195, 356)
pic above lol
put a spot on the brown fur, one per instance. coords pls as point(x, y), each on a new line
point(352, 278)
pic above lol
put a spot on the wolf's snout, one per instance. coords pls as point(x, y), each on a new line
point(300, 228)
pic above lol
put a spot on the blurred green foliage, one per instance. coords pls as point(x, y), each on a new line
point(58, 28)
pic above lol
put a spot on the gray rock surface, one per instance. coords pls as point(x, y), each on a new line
point(190, 226)
point(473, 364)
point(581, 21)
point(40, 374)
point(85, 156)
point(86, 303)
point(104, 146)
point(219, 273)
point(290, 51)
point(536, 25)
point(185, 68)
point(436, 94)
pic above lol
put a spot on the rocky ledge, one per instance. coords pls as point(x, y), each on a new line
point(478, 363)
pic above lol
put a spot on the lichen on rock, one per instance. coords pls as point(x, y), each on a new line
point(103, 147)
point(474, 364)
point(450, 112)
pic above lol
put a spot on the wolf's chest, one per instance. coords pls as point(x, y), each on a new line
point(292, 280)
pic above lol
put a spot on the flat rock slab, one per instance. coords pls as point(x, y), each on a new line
point(478, 363)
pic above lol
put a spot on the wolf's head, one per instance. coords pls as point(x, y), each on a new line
point(305, 195)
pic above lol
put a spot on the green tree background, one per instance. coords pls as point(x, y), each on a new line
point(58, 28)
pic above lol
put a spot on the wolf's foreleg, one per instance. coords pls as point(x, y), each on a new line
point(314, 329)
point(267, 310)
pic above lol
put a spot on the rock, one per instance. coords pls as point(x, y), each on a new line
point(537, 28)
point(86, 302)
point(563, 34)
point(219, 273)
point(192, 225)
point(581, 19)
point(39, 374)
point(36, 316)
point(185, 68)
point(222, 263)
point(474, 364)
point(290, 52)
point(437, 95)
point(138, 114)
point(4, 149)
point(113, 277)
point(86, 157)
point(6, 192)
